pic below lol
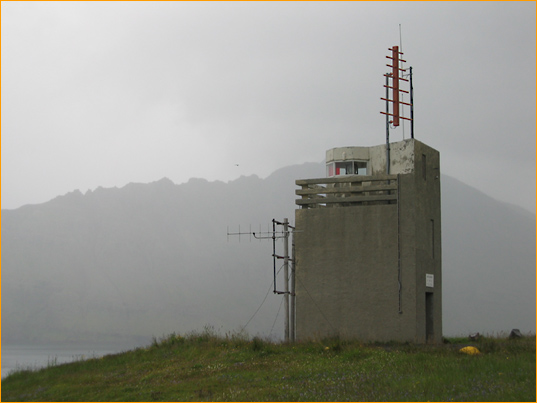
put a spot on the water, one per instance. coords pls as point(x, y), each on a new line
point(20, 356)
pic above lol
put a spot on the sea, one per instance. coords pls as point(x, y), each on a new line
point(24, 356)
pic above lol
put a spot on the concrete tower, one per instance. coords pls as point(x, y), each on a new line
point(368, 246)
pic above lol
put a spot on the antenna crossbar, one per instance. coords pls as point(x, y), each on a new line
point(401, 102)
point(274, 235)
point(400, 117)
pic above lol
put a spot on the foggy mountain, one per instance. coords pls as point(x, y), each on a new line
point(150, 259)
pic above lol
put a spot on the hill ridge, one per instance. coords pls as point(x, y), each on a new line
point(151, 259)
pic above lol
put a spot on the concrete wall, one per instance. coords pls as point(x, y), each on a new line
point(401, 156)
point(422, 204)
point(347, 274)
point(351, 260)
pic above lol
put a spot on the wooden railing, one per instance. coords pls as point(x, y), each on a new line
point(348, 190)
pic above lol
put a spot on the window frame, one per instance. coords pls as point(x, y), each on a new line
point(332, 168)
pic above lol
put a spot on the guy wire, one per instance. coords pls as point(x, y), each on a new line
point(277, 313)
point(264, 299)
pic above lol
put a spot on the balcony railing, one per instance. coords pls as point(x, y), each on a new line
point(350, 190)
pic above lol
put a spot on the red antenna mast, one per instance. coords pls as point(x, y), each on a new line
point(395, 76)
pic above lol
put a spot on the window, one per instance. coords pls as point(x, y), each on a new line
point(330, 169)
point(360, 167)
point(346, 168)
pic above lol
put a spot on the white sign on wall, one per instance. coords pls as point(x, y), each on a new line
point(429, 280)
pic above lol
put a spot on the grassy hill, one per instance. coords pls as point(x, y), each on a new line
point(207, 367)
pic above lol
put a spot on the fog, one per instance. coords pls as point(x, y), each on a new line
point(134, 134)
point(109, 93)
point(144, 260)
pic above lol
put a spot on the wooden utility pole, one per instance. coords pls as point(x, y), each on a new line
point(292, 294)
point(286, 275)
point(289, 325)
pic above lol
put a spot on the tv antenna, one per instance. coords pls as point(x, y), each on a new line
point(397, 76)
point(288, 292)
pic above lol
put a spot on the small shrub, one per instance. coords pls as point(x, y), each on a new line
point(488, 345)
point(207, 335)
point(237, 338)
point(175, 340)
point(333, 343)
point(52, 362)
point(336, 346)
point(257, 344)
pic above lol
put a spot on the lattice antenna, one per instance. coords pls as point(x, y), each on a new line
point(249, 233)
point(396, 76)
point(274, 235)
point(257, 235)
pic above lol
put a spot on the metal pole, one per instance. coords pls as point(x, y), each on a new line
point(286, 275)
point(387, 128)
point(274, 251)
point(293, 337)
point(411, 106)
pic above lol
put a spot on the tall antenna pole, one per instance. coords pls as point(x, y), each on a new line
point(395, 84)
point(400, 39)
point(286, 275)
point(292, 294)
point(394, 75)
point(274, 256)
point(289, 313)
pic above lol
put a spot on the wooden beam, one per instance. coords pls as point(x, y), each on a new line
point(346, 189)
point(351, 199)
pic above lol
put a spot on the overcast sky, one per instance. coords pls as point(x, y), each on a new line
point(107, 93)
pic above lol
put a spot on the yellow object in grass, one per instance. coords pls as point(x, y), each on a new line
point(470, 350)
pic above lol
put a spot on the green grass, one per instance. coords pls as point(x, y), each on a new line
point(207, 367)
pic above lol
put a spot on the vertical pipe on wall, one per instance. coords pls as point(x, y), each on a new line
point(387, 128)
point(411, 106)
point(399, 274)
